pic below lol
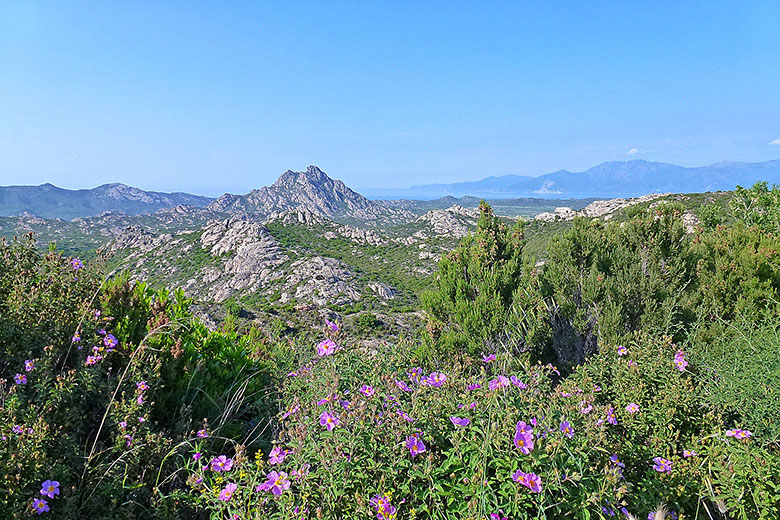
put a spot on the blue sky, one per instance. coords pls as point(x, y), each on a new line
point(210, 97)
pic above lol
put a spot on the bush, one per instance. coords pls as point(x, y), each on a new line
point(475, 286)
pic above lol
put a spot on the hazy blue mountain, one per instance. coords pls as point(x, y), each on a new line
point(611, 179)
point(49, 201)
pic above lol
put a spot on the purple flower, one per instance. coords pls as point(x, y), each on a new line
point(332, 326)
point(197, 456)
point(460, 421)
point(302, 472)
point(277, 455)
point(473, 386)
point(499, 382)
point(567, 429)
point(384, 510)
point(519, 384)
point(291, 411)
point(530, 480)
point(405, 416)
point(662, 465)
point(326, 347)
point(679, 361)
point(689, 453)
point(110, 341)
point(611, 419)
point(141, 385)
point(28, 365)
point(76, 264)
point(50, 488)
point(403, 386)
point(367, 390)
point(614, 459)
point(227, 492)
point(415, 374)
point(20, 379)
point(276, 483)
point(221, 463)
point(329, 421)
point(415, 445)
point(40, 505)
point(123, 424)
point(621, 350)
point(488, 359)
point(524, 438)
point(202, 434)
point(632, 408)
point(76, 338)
point(139, 400)
point(435, 379)
point(17, 429)
point(585, 407)
point(739, 433)
point(141, 419)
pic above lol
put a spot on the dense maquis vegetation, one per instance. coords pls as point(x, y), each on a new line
point(635, 373)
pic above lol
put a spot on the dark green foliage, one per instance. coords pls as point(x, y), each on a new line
point(475, 286)
point(758, 206)
point(711, 216)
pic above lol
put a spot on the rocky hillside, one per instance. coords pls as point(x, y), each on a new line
point(313, 191)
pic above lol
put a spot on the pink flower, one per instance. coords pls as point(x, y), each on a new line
point(488, 359)
point(679, 361)
point(689, 453)
point(415, 445)
point(403, 386)
point(141, 385)
point(519, 384)
point(202, 434)
point(632, 408)
point(530, 480)
point(277, 455)
point(585, 407)
point(326, 347)
point(367, 390)
point(435, 379)
point(227, 493)
point(499, 382)
point(276, 483)
point(329, 421)
point(459, 421)
point(621, 350)
point(28, 365)
point(221, 463)
point(197, 456)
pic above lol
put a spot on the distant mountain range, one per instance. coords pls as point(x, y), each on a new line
point(49, 201)
point(607, 180)
point(314, 191)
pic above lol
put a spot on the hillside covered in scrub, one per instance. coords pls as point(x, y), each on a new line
point(622, 363)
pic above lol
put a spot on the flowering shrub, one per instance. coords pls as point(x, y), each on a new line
point(626, 432)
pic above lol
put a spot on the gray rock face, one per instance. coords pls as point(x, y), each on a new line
point(321, 281)
point(560, 213)
point(255, 255)
point(382, 290)
point(597, 209)
point(455, 221)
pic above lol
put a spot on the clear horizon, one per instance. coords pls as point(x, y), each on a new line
point(205, 100)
